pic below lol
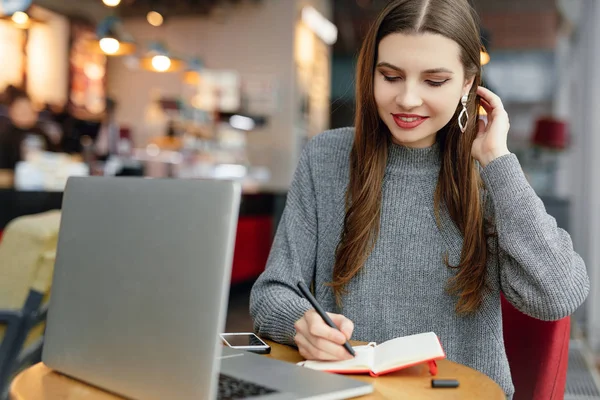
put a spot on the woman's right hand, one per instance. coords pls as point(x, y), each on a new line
point(318, 341)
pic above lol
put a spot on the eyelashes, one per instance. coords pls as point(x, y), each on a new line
point(437, 83)
point(429, 82)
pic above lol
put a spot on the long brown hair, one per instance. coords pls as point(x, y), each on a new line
point(459, 183)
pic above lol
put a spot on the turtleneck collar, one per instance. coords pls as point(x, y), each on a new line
point(402, 159)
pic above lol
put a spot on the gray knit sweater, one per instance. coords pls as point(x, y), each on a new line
point(401, 289)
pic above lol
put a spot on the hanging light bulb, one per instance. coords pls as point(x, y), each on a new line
point(158, 59)
point(161, 63)
point(20, 18)
point(111, 3)
point(112, 39)
point(484, 56)
point(155, 18)
point(192, 74)
point(109, 45)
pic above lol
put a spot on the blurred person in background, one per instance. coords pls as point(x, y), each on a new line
point(59, 113)
point(418, 218)
point(107, 141)
point(6, 97)
point(22, 131)
point(52, 120)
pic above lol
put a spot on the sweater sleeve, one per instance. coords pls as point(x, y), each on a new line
point(540, 273)
point(275, 301)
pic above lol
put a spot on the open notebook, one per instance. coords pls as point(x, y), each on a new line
point(389, 356)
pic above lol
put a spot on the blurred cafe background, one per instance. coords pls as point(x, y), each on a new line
point(233, 89)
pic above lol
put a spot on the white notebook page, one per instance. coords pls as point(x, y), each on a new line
point(406, 350)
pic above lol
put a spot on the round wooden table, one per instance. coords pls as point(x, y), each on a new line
point(41, 383)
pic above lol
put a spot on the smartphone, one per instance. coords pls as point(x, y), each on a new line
point(245, 341)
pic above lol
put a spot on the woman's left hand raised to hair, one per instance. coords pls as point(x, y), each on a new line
point(490, 142)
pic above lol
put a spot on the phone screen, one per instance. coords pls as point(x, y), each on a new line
point(242, 339)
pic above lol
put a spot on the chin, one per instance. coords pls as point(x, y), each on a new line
point(410, 138)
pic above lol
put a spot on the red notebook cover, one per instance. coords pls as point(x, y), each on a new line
point(406, 352)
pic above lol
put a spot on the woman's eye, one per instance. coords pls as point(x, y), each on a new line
point(391, 78)
point(437, 83)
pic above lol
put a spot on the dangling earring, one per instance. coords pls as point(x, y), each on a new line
point(463, 100)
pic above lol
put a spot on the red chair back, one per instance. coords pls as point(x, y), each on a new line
point(538, 354)
point(252, 246)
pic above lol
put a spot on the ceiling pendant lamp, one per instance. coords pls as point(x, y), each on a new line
point(484, 56)
point(16, 12)
point(193, 72)
point(112, 39)
point(158, 59)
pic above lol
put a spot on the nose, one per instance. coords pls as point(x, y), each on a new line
point(408, 97)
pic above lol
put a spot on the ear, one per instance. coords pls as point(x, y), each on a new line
point(468, 85)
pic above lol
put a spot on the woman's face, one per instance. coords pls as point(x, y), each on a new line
point(419, 80)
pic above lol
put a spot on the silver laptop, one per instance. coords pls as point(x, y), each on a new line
point(140, 292)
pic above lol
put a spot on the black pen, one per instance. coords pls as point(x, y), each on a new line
point(322, 313)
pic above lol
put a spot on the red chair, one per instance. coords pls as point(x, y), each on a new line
point(252, 246)
point(538, 354)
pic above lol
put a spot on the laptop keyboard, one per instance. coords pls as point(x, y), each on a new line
point(232, 388)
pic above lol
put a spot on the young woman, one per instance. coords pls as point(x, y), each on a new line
point(419, 217)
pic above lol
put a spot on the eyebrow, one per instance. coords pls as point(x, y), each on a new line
point(427, 71)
